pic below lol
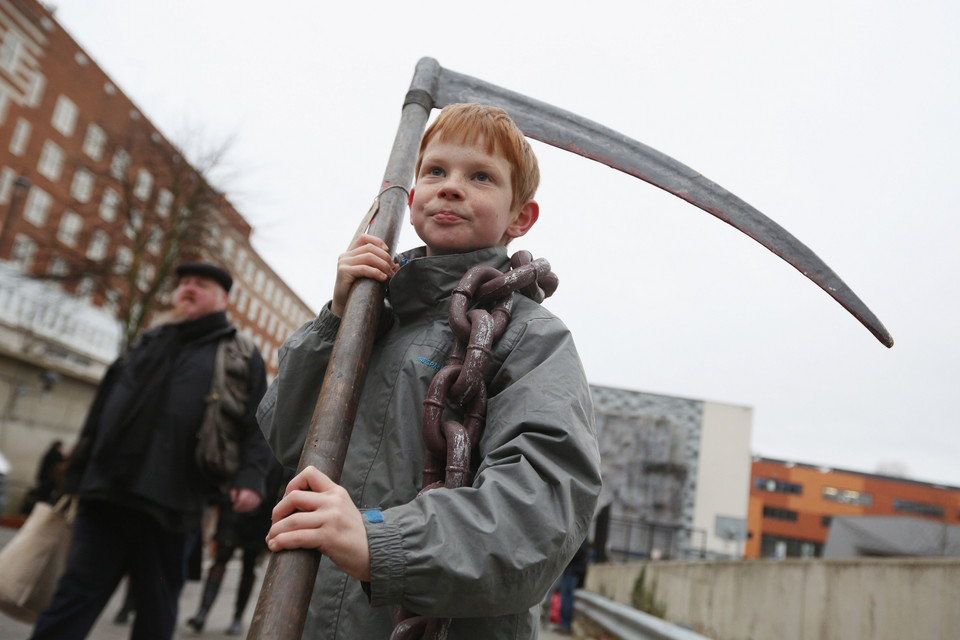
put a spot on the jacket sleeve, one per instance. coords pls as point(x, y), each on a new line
point(496, 547)
point(287, 408)
point(79, 457)
point(256, 455)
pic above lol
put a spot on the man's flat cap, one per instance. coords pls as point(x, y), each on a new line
point(217, 274)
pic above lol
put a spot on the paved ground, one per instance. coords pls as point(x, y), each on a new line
point(217, 622)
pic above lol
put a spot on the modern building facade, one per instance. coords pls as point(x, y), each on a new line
point(97, 207)
point(676, 475)
point(793, 504)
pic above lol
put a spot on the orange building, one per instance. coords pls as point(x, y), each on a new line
point(792, 504)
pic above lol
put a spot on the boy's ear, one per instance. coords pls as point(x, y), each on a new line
point(410, 199)
point(524, 220)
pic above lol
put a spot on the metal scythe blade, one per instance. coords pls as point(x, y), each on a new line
point(568, 131)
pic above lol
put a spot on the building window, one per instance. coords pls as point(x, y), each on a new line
point(4, 104)
point(94, 141)
point(85, 287)
point(825, 521)
point(124, 259)
point(11, 49)
point(57, 267)
point(112, 302)
point(145, 277)
point(920, 508)
point(228, 247)
point(144, 184)
point(119, 164)
point(37, 206)
point(242, 301)
point(82, 186)
point(70, 225)
point(155, 241)
point(109, 204)
point(35, 89)
point(777, 486)
point(780, 514)
point(64, 116)
point(779, 547)
point(848, 496)
point(51, 161)
point(252, 311)
point(20, 137)
point(97, 250)
point(164, 202)
point(134, 224)
point(23, 251)
point(7, 177)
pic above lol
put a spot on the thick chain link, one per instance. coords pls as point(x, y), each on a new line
point(480, 309)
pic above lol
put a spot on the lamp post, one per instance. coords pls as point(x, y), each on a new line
point(20, 187)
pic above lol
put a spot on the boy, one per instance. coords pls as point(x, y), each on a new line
point(486, 554)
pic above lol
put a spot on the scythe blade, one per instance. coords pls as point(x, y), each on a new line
point(589, 139)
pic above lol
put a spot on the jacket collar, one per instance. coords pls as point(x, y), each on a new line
point(423, 282)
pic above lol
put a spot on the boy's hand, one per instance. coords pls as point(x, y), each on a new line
point(317, 513)
point(367, 258)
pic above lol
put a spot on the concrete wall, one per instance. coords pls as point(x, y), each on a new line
point(32, 417)
point(856, 599)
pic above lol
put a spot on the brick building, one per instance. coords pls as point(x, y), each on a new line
point(792, 504)
point(96, 209)
point(91, 191)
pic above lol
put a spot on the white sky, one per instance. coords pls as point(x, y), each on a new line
point(839, 120)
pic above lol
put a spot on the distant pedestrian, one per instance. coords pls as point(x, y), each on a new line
point(49, 479)
point(571, 580)
point(244, 531)
point(141, 478)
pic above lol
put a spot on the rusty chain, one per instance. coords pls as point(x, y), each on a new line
point(451, 456)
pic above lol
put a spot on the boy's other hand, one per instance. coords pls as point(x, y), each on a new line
point(367, 258)
point(317, 513)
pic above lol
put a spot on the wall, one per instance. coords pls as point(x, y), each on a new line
point(723, 474)
point(864, 598)
point(33, 417)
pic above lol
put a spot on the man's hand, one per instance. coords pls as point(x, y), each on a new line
point(317, 513)
point(367, 258)
point(244, 500)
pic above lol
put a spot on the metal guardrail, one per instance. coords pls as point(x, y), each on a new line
point(628, 623)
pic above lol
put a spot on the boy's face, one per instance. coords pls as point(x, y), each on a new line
point(463, 200)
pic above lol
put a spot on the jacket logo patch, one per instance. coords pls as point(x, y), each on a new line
point(429, 363)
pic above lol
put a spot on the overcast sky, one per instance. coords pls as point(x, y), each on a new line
point(839, 120)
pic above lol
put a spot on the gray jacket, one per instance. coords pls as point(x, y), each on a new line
point(484, 555)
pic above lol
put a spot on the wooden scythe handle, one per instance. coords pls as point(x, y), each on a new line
point(288, 584)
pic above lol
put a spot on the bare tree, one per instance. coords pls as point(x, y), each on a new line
point(150, 210)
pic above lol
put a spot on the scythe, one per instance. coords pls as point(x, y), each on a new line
point(288, 584)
